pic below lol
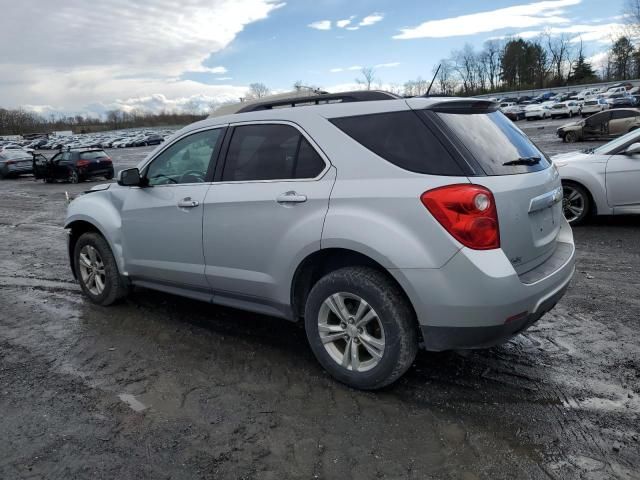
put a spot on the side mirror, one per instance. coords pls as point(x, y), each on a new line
point(129, 177)
point(633, 149)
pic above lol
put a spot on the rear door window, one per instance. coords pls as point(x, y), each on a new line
point(495, 142)
point(270, 152)
point(403, 139)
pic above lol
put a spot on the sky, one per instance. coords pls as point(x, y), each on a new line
point(88, 57)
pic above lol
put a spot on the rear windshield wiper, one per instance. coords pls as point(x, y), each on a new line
point(523, 161)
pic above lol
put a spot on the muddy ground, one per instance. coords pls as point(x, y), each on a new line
point(163, 387)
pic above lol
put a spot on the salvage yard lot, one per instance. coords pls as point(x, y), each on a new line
point(165, 387)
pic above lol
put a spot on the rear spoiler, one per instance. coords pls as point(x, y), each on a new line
point(464, 105)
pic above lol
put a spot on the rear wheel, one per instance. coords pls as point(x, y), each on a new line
point(109, 176)
point(73, 176)
point(576, 203)
point(361, 328)
point(97, 271)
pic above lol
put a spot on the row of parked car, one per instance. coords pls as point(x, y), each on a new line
point(113, 139)
point(584, 103)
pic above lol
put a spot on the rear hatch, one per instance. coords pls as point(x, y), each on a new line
point(526, 187)
point(96, 161)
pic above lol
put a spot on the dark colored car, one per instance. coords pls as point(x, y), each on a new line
point(73, 166)
point(524, 98)
point(543, 97)
point(154, 139)
point(14, 163)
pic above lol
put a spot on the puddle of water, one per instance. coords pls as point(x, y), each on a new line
point(133, 403)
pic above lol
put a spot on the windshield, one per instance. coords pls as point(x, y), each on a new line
point(614, 145)
point(496, 143)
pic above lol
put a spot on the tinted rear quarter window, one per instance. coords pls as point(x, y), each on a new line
point(493, 140)
point(403, 139)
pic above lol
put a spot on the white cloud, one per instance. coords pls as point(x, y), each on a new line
point(525, 16)
point(126, 50)
point(352, 68)
point(371, 19)
point(602, 33)
point(343, 23)
point(346, 23)
point(223, 78)
point(321, 25)
point(387, 65)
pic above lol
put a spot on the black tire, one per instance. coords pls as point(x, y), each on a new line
point(570, 137)
point(114, 287)
point(109, 176)
point(393, 311)
point(585, 201)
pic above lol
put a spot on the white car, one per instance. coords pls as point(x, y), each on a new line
point(565, 109)
point(616, 90)
point(538, 111)
point(601, 181)
point(594, 105)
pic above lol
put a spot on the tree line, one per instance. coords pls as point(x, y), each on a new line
point(20, 121)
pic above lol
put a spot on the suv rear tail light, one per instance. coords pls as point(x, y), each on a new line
point(468, 212)
point(82, 163)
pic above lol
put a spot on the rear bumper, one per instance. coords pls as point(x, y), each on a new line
point(478, 300)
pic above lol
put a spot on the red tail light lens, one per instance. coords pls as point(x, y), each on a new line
point(468, 212)
point(82, 163)
point(106, 160)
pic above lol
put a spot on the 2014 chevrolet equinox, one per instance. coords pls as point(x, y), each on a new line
point(382, 224)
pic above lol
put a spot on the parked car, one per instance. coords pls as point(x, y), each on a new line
point(621, 100)
point(620, 87)
point(593, 105)
point(538, 111)
point(613, 90)
point(544, 97)
point(603, 180)
point(73, 166)
point(565, 109)
point(524, 98)
point(603, 125)
point(514, 112)
point(280, 211)
point(14, 163)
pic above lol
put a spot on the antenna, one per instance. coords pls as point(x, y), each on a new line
point(433, 80)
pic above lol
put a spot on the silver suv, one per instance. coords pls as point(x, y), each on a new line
point(383, 224)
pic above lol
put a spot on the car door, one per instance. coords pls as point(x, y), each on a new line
point(597, 125)
point(264, 215)
point(622, 179)
point(60, 165)
point(622, 121)
point(162, 220)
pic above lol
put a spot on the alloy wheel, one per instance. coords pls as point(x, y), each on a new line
point(573, 203)
point(351, 332)
point(92, 270)
point(73, 177)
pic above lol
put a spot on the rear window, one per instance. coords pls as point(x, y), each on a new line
point(92, 155)
point(403, 139)
point(495, 142)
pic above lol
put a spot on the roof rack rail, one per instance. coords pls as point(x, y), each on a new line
point(342, 97)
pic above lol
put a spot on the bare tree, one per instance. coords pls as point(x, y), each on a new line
point(258, 90)
point(368, 77)
point(445, 80)
point(465, 64)
point(560, 52)
point(492, 56)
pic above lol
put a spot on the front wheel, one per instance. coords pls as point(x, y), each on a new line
point(575, 203)
point(361, 328)
point(570, 137)
point(96, 270)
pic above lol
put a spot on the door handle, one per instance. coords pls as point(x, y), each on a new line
point(187, 203)
point(291, 197)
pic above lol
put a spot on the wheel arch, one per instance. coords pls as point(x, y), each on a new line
point(323, 261)
point(593, 204)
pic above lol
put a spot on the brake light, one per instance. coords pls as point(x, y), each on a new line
point(82, 163)
point(468, 212)
point(106, 160)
